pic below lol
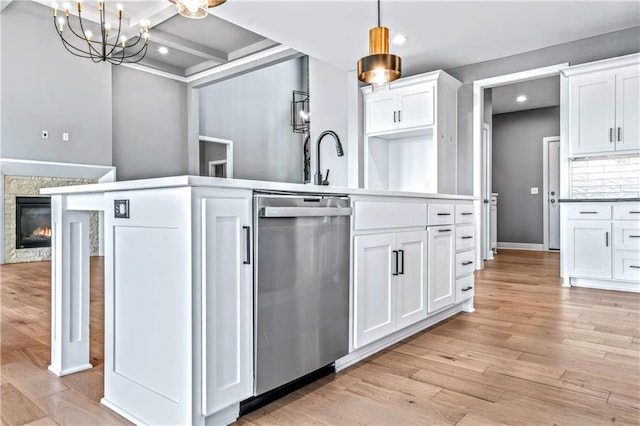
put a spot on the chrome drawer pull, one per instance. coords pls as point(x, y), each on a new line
point(634, 266)
point(466, 237)
point(467, 213)
point(588, 212)
point(634, 212)
point(444, 230)
point(468, 262)
point(444, 214)
point(634, 236)
point(467, 289)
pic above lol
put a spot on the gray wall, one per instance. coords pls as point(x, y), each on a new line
point(254, 110)
point(149, 125)
point(46, 88)
point(517, 166)
point(590, 49)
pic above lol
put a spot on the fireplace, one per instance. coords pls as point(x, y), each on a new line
point(33, 222)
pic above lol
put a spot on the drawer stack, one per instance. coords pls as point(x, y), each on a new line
point(626, 242)
point(465, 253)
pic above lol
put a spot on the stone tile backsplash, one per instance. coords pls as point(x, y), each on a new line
point(611, 177)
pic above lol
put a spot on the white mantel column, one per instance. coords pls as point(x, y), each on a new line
point(69, 288)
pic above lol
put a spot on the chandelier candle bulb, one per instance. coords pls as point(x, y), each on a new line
point(107, 29)
point(79, 7)
point(100, 6)
point(55, 9)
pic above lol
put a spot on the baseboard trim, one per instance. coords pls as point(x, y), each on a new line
point(124, 413)
point(521, 246)
point(65, 371)
point(605, 284)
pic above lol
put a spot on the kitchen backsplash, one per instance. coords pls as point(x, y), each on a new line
point(606, 177)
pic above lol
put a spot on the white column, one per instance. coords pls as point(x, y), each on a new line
point(70, 253)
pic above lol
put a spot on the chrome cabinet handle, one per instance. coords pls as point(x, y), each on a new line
point(394, 116)
point(467, 213)
point(610, 134)
point(588, 212)
point(634, 266)
point(468, 262)
point(399, 116)
point(606, 239)
point(634, 236)
point(466, 237)
point(619, 134)
point(444, 230)
point(247, 255)
point(467, 289)
point(634, 212)
point(401, 262)
point(444, 214)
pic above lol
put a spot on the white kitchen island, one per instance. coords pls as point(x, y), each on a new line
point(179, 285)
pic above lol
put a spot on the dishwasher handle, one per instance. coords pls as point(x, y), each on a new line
point(305, 211)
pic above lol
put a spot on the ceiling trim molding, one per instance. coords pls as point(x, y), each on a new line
point(251, 49)
point(155, 72)
point(4, 3)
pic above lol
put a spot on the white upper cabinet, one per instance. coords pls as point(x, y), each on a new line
point(628, 108)
point(604, 106)
point(410, 131)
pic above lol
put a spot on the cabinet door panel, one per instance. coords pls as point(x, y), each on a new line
point(589, 248)
point(381, 114)
point(227, 313)
point(411, 289)
point(440, 267)
point(373, 287)
point(416, 106)
point(628, 109)
point(592, 116)
point(626, 265)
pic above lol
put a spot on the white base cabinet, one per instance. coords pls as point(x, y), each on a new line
point(389, 283)
point(441, 267)
point(604, 251)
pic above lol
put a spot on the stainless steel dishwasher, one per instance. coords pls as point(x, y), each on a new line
point(302, 285)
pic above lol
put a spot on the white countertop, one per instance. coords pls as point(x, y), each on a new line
point(201, 181)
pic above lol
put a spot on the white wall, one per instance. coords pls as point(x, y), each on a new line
point(149, 125)
point(329, 88)
point(46, 88)
point(254, 110)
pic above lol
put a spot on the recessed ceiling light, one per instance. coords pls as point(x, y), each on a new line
point(521, 98)
point(163, 50)
point(399, 40)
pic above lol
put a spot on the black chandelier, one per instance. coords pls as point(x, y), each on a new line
point(104, 48)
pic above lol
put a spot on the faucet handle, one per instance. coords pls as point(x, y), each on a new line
point(326, 178)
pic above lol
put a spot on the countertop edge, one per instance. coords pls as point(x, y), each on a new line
point(202, 181)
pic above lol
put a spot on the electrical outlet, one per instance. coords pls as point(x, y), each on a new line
point(121, 209)
point(65, 137)
point(45, 134)
point(534, 190)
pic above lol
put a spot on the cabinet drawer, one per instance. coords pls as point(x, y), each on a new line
point(465, 288)
point(440, 214)
point(626, 235)
point(626, 265)
point(465, 238)
point(464, 213)
point(626, 211)
point(465, 263)
point(599, 211)
point(379, 215)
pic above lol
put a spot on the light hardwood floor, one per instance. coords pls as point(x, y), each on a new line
point(532, 353)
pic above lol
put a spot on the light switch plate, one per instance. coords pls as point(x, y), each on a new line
point(121, 208)
point(534, 190)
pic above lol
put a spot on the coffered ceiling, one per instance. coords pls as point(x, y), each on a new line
point(441, 34)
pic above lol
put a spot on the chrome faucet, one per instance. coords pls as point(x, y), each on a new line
point(317, 178)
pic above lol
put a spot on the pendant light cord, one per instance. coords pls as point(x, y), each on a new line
point(378, 12)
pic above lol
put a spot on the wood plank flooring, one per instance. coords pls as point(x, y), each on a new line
point(532, 353)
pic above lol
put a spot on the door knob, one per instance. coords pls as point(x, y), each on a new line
point(553, 201)
point(553, 193)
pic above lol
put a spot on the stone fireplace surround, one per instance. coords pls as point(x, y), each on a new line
point(26, 178)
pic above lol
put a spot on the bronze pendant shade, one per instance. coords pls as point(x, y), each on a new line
point(380, 67)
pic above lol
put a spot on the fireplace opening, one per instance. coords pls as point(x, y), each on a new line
point(33, 222)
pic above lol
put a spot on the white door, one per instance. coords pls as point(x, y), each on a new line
point(415, 106)
point(381, 114)
point(592, 113)
point(487, 223)
point(411, 287)
point(374, 276)
point(227, 294)
point(589, 248)
point(628, 108)
point(440, 267)
point(553, 177)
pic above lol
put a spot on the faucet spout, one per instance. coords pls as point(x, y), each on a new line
point(317, 178)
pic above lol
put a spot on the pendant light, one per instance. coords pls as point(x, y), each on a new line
point(196, 9)
point(380, 67)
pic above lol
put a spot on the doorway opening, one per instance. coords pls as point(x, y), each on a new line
point(504, 167)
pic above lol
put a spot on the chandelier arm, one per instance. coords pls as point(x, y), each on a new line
point(70, 46)
point(144, 47)
point(91, 48)
point(113, 46)
point(85, 38)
